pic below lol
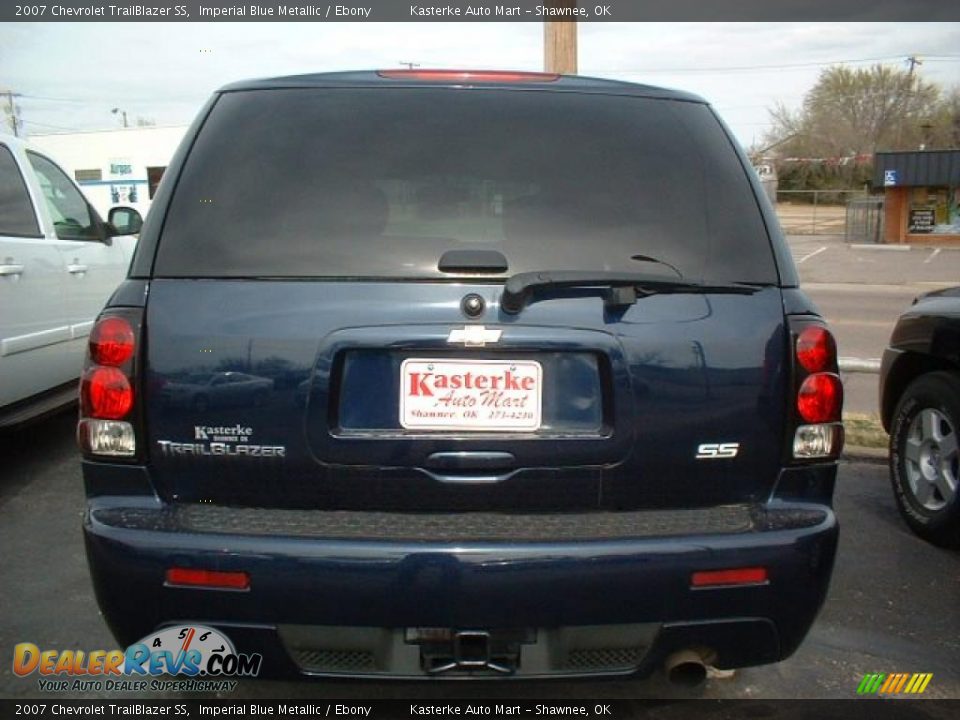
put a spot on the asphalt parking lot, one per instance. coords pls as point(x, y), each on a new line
point(861, 289)
point(892, 607)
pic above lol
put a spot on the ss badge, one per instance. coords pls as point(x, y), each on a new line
point(715, 451)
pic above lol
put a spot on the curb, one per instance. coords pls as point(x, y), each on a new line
point(891, 288)
point(858, 453)
point(859, 365)
point(880, 246)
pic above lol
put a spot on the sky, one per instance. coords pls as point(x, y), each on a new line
point(71, 75)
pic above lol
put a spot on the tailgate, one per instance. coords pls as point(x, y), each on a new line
point(323, 394)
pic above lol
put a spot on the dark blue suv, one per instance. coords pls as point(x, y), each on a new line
point(463, 374)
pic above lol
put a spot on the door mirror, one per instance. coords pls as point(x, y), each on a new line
point(125, 220)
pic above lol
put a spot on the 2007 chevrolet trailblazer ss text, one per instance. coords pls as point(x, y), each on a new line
point(463, 374)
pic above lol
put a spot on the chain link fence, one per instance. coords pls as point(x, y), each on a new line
point(816, 212)
point(864, 220)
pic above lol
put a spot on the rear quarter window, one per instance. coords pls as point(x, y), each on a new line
point(379, 183)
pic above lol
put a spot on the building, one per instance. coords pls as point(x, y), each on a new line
point(766, 169)
point(921, 196)
point(115, 167)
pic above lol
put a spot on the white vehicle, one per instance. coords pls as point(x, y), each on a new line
point(59, 263)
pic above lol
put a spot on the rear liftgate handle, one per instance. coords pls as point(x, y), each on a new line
point(454, 466)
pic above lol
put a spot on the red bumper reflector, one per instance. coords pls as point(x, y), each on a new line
point(736, 576)
point(208, 578)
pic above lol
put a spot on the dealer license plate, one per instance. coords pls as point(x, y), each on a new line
point(475, 395)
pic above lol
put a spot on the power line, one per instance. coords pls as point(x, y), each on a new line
point(107, 101)
point(730, 68)
point(55, 127)
point(50, 99)
point(784, 66)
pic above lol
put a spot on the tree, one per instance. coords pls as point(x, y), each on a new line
point(943, 131)
point(858, 112)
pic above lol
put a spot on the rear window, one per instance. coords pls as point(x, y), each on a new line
point(373, 183)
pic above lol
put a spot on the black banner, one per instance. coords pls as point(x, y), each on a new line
point(460, 11)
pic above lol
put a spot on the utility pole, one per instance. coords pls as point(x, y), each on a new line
point(410, 65)
point(122, 112)
point(13, 110)
point(560, 42)
point(913, 60)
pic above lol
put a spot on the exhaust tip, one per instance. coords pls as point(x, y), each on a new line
point(686, 668)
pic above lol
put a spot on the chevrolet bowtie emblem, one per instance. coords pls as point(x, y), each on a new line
point(474, 335)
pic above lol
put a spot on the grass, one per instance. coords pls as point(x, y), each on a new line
point(864, 430)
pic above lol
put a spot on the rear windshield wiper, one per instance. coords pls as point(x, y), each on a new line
point(620, 288)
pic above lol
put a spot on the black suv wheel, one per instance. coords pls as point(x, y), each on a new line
point(924, 458)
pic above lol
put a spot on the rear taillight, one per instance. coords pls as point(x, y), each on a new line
point(111, 341)
point(820, 398)
point(816, 349)
point(818, 393)
point(106, 393)
point(108, 404)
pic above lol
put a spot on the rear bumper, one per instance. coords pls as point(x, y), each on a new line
point(300, 580)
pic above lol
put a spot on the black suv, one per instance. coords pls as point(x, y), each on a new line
point(920, 408)
point(503, 375)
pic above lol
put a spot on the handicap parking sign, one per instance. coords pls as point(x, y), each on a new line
point(889, 178)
